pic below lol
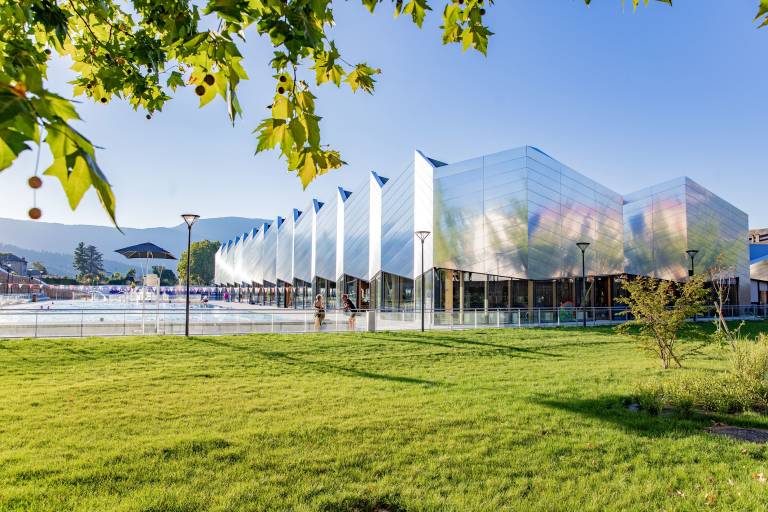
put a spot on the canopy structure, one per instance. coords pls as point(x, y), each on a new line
point(146, 250)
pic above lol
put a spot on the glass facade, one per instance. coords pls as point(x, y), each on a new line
point(503, 234)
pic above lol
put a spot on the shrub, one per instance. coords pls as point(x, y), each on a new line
point(659, 309)
point(749, 359)
point(722, 392)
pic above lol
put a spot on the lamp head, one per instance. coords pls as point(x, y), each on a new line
point(190, 218)
point(422, 235)
point(692, 252)
point(583, 246)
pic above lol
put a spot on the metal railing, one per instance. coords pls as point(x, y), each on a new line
point(29, 323)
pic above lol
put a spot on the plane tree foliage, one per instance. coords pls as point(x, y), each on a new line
point(144, 51)
point(201, 263)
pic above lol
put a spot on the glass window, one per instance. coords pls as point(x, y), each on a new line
point(543, 294)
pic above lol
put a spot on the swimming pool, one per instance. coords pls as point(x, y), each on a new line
point(116, 318)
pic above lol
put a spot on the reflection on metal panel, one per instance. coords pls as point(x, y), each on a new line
point(258, 255)
point(250, 257)
point(520, 213)
point(354, 238)
point(424, 210)
point(718, 229)
point(325, 259)
point(397, 228)
point(240, 257)
point(662, 222)
point(362, 228)
point(759, 270)
point(285, 247)
point(458, 217)
point(269, 254)
point(304, 242)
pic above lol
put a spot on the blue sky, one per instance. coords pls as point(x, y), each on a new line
point(627, 99)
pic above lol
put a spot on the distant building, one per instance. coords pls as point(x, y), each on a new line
point(758, 236)
point(13, 262)
point(758, 269)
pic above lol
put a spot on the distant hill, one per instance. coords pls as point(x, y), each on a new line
point(59, 264)
point(53, 244)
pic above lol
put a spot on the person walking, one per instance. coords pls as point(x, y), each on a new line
point(319, 311)
point(349, 311)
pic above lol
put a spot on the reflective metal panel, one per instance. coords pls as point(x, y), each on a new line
point(325, 258)
point(719, 231)
point(249, 257)
point(269, 254)
point(662, 222)
point(407, 206)
point(355, 242)
point(520, 213)
point(397, 224)
point(565, 208)
point(362, 230)
point(424, 210)
point(759, 271)
point(304, 242)
point(257, 269)
point(458, 206)
point(285, 249)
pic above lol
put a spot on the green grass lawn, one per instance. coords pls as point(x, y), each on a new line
point(474, 420)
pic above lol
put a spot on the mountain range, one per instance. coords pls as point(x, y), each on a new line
point(53, 244)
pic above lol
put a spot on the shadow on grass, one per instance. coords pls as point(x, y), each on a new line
point(364, 504)
point(318, 366)
point(458, 340)
point(613, 409)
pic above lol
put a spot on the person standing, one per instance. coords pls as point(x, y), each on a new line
point(349, 311)
point(319, 311)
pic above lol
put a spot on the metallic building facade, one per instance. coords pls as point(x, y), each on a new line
point(504, 229)
point(664, 221)
point(520, 214)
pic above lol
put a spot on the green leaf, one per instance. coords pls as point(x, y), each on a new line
point(762, 12)
point(270, 134)
point(175, 80)
point(361, 77)
point(418, 10)
point(74, 165)
point(281, 107)
point(12, 143)
point(74, 177)
point(298, 132)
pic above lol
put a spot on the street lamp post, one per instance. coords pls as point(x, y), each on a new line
point(422, 236)
point(583, 246)
point(691, 254)
point(190, 219)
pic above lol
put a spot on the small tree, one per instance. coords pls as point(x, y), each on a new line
point(720, 276)
point(201, 263)
point(167, 277)
point(88, 261)
point(659, 310)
